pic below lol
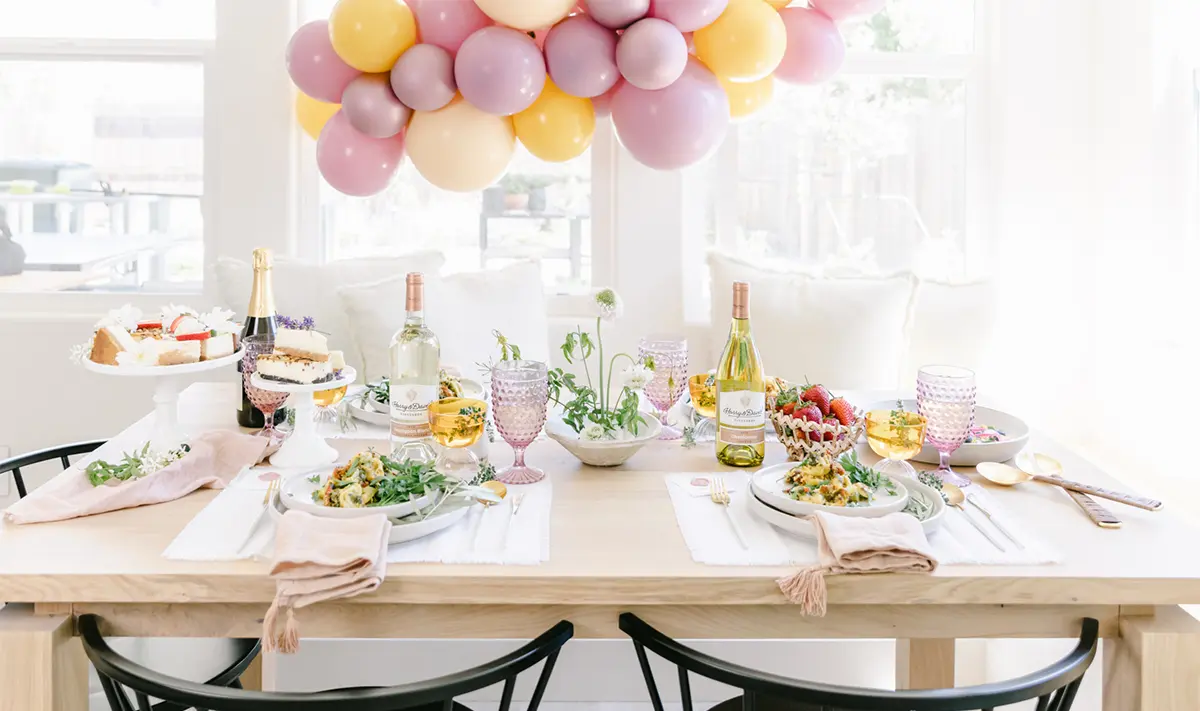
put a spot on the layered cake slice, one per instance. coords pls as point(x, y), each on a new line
point(302, 343)
point(290, 369)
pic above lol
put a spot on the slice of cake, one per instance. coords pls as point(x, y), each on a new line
point(286, 368)
point(113, 335)
point(302, 343)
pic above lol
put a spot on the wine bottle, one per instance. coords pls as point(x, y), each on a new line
point(415, 355)
point(741, 391)
point(260, 321)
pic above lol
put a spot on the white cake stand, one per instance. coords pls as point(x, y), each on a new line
point(304, 447)
point(171, 379)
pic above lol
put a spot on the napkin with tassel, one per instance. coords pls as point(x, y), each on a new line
point(849, 545)
point(318, 559)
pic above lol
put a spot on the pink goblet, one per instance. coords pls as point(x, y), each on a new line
point(670, 357)
point(946, 398)
point(520, 392)
point(266, 401)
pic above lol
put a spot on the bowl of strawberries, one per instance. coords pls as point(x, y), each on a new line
point(811, 421)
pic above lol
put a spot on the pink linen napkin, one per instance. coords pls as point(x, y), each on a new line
point(214, 460)
point(894, 543)
point(319, 559)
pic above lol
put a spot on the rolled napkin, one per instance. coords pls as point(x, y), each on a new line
point(213, 460)
point(319, 559)
point(894, 543)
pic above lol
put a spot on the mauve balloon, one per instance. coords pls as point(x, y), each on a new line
point(447, 23)
point(839, 10)
point(372, 109)
point(652, 54)
point(423, 78)
point(603, 103)
point(500, 70)
point(673, 127)
point(315, 67)
point(688, 15)
point(617, 14)
point(815, 49)
point(356, 164)
point(582, 57)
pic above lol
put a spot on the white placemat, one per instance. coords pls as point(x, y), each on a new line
point(712, 541)
point(220, 531)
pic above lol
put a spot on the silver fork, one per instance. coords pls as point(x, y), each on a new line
point(268, 501)
point(516, 508)
point(974, 501)
point(720, 495)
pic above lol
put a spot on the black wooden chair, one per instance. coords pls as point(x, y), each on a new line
point(1054, 687)
point(118, 674)
point(15, 464)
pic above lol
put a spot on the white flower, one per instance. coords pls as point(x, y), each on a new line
point(82, 351)
point(594, 433)
point(145, 353)
point(638, 376)
point(126, 317)
point(219, 320)
point(171, 312)
point(607, 304)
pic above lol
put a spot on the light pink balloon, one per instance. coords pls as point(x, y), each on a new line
point(603, 103)
point(841, 10)
point(423, 78)
point(500, 70)
point(815, 49)
point(652, 54)
point(372, 108)
point(315, 67)
point(674, 127)
point(356, 164)
point(448, 23)
point(539, 37)
point(582, 57)
point(688, 15)
point(617, 14)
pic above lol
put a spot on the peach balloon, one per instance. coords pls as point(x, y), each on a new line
point(526, 15)
point(313, 114)
point(778, 4)
point(558, 127)
point(750, 97)
point(745, 43)
point(460, 147)
point(370, 35)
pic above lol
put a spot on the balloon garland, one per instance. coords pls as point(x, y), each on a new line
point(454, 84)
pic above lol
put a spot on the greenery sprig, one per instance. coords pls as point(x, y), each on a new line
point(133, 465)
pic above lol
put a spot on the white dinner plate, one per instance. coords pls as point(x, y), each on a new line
point(296, 493)
point(803, 528)
point(405, 530)
point(767, 484)
point(971, 454)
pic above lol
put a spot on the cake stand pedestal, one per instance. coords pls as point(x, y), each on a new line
point(170, 380)
point(304, 447)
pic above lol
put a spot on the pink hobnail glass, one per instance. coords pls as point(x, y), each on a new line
point(520, 392)
point(266, 401)
point(946, 398)
point(670, 356)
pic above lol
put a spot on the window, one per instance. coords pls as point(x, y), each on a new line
point(102, 142)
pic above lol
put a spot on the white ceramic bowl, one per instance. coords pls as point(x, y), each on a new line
point(767, 485)
point(602, 454)
point(803, 528)
point(296, 493)
point(975, 453)
point(403, 531)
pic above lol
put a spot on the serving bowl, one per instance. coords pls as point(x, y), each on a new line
point(973, 453)
point(603, 453)
point(767, 486)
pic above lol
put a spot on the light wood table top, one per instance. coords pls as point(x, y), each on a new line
point(614, 541)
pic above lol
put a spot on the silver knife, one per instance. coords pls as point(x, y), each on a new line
point(981, 529)
point(972, 499)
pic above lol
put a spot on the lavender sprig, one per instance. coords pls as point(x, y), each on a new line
point(307, 323)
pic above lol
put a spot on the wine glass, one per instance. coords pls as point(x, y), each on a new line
point(520, 391)
point(266, 401)
point(457, 424)
point(946, 398)
point(326, 401)
point(670, 357)
point(897, 436)
point(703, 389)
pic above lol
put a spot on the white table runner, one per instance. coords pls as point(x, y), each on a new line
point(712, 541)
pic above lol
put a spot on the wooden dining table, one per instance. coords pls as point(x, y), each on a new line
point(615, 546)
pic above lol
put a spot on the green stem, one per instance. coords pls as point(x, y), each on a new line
point(612, 369)
point(584, 359)
point(600, 345)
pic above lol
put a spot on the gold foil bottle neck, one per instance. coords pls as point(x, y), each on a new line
point(414, 292)
point(262, 296)
point(741, 299)
point(262, 259)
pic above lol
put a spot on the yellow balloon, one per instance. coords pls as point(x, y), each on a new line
point(558, 127)
point(746, 98)
point(370, 35)
point(313, 114)
point(460, 148)
point(526, 15)
point(746, 43)
point(779, 4)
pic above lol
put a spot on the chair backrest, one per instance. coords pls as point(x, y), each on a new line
point(434, 693)
point(1054, 687)
point(61, 453)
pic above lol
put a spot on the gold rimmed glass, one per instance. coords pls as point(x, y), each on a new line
point(457, 423)
point(897, 436)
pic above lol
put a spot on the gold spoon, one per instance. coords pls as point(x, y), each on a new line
point(1038, 463)
point(1010, 476)
point(500, 490)
point(955, 497)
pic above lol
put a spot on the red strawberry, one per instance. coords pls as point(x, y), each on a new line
point(819, 395)
point(809, 412)
point(842, 410)
point(789, 408)
point(830, 420)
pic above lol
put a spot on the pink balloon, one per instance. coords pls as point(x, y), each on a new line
point(356, 164)
point(674, 127)
point(372, 108)
point(539, 37)
point(423, 78)
point(315, 68)
point(582, 57)
point(500, 70)
point(448, 23)
point(841, 10)
point(603, 103)
point(815, 49)
point(688, 15)
point(652, 54)
point(617, 14)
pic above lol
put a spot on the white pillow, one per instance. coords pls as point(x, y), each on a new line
point(304, 288)
point(844, 332)
point(462, 309)
point(950, 323)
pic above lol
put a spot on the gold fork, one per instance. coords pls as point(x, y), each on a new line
point(268, 501)
point(720, 496)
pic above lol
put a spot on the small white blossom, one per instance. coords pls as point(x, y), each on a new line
point(607, 304)
point(171, 312)
point(595, 433)
point(220, 320)
point(126, 317)
point(145, 353)
point(638, 376)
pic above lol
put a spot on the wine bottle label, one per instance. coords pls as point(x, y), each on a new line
point(741, 417)
point(410, 410)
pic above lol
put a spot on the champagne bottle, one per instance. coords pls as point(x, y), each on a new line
point(260, 320)
point(741, 391)
point(415, 354)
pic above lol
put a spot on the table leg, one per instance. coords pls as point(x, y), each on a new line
point(1155, 663)
point(43, 667)
point(252, 678)
point(924, 663)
